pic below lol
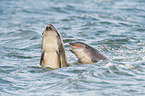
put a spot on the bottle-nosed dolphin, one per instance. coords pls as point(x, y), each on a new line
point(85, 53)
point(53, 53)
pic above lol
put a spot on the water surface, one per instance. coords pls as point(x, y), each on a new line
point(116, 28)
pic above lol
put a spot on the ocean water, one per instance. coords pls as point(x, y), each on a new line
point(115, 27)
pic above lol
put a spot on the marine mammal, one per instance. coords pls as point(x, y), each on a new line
point(85, 53)
point(53, 53)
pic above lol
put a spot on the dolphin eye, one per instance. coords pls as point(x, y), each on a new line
point(94, 60)
point(87, 46)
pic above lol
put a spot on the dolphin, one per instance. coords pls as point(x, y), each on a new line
point(53, 52)
point(85, 53)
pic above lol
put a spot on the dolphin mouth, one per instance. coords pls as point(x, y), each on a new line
point(74, 46)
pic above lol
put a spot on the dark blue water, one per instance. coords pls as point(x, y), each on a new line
point(115, 27)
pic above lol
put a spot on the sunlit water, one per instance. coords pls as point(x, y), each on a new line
point(115, 27)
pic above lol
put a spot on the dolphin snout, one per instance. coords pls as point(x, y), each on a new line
point(48, 27)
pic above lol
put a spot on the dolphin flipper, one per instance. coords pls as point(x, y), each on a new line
point(42, 57)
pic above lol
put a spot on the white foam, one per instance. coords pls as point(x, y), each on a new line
point(109, 64)
point(128, 66)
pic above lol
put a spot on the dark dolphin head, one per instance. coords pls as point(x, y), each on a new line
point(85, 53)
point(82, 52)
